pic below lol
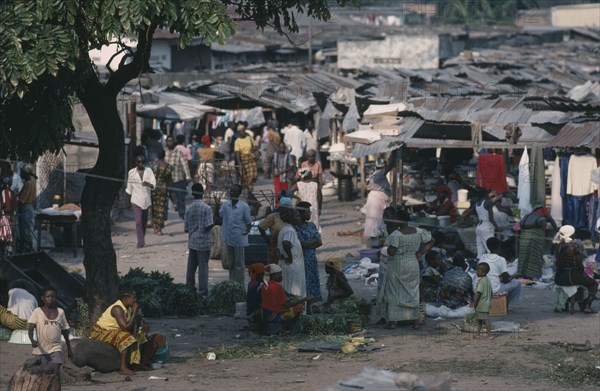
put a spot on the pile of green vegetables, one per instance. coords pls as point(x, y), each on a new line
point(349, 317)
point(158, 295)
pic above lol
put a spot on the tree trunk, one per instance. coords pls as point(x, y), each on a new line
point(100, 191)
point(33, 375)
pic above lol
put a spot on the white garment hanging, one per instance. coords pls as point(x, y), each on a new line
point(579, 180)
point(555, 198)
point(524, 186)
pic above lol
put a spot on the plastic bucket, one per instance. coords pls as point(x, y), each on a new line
point(162, 354)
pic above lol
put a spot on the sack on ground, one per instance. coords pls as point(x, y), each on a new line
point(98, 355)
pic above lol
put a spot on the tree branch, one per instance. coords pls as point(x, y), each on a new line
point(127, 72)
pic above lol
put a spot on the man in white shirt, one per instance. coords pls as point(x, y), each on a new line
point(140, 183)
point(498, 275)
point(294, 140)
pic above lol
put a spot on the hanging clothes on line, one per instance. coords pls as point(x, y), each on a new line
point(524, 185)
point(556, 210)
point(580, 188)
point(537, 175)
point(491, 172)
point(564, 173)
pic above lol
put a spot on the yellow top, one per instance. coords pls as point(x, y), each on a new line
point(243, 145)
point(109, 322)
point(272, 222)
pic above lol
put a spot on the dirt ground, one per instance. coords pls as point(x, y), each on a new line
point(246, 361)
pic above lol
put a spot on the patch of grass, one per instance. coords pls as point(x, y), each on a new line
point(575, 375)
point(569, 368)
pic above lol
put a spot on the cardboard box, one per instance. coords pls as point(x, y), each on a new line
point(499, 306)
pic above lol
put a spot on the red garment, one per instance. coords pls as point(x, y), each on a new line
point(278, 186)
point(9, 201)
point(273, 297)
point(491, 172)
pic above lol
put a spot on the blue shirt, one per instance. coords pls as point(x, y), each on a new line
point(197, 217)
point(235, 223)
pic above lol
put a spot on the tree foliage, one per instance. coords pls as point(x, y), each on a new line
point(45, 45)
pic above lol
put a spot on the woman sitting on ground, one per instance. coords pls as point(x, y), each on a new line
point(275, 304)
point(456, 286)
point(121, 325)
point(256, 273)
point(431, 277)
point(570, 269)
point(337, 284)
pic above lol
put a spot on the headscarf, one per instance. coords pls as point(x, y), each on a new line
point(205, 140)
point(444, 189)
point(304, 172)
point(285, 201)
point(255, 270)
point(564, 233)
point(379, 163)
point(270, 269)
point(335, 264)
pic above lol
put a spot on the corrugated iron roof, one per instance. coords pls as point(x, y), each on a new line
point(585, 134)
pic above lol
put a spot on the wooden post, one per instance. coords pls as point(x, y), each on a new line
point(395, 185)
point(363, 177)
point(400, 165)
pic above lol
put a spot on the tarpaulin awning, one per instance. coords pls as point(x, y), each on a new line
point(175, 111)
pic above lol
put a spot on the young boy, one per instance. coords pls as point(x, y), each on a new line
point(50, 322)
point(483, 299)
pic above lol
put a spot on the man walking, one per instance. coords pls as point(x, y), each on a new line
point(236, 226)
point(181, 174)
point(198, 224)
point(140, 183)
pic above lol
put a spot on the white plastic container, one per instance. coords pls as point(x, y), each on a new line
point(462, 195)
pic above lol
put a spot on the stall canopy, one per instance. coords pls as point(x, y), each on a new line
point(175, 111)
point(572, 135)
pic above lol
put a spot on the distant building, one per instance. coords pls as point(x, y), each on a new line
point(580, 15)
point(393, 51)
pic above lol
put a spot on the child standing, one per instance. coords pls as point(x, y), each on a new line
point(50, 322)
point(483, 299)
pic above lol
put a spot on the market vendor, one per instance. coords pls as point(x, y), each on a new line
point(121, 325)
point(443, 205)
point(275, 304)
point(337, 284)
point(379, 195)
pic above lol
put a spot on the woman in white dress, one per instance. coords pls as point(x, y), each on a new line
point(307, 189)
point(486, 224)
point(291, 257)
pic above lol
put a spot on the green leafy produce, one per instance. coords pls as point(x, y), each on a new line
point(159, 296)
point(151, 305)
point(223, 296)
point(186, 300)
